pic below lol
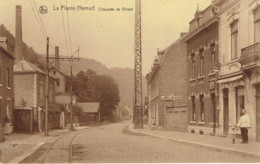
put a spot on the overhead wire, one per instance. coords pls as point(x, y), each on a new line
point(69, 29)
point(43, 34)
point(64, 28)
point(40, 18)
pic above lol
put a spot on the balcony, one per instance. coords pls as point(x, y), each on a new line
point(250, 57)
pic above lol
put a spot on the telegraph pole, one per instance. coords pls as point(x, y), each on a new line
point(71, 115)
point(138, 100)
point(47, 90)
point(71, 58)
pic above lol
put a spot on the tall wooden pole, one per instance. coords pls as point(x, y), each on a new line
point(71, 105)
point(47, 90)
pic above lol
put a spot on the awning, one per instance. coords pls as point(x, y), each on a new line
point(230, 79)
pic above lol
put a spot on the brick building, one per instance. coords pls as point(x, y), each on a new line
point(167, 88)
point(239, 57)
point(6, 90)
point(202, 53)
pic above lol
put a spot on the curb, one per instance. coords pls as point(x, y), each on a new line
point(219, 149)
point(28, 153)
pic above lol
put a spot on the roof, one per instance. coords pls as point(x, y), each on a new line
point(58, 70)
point(25, 66)
point(89, 107)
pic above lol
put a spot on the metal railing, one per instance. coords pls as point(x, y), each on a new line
point(250, 54)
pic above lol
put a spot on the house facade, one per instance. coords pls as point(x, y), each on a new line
point(167, 103)
point(202, 56)
point(30, 91)
point(6, 90)
point(238, 80)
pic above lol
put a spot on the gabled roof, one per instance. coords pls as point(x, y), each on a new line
point(58, 70)
point(25, 66)
point(89, 107)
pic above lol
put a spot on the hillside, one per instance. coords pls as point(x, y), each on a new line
point(123, 76)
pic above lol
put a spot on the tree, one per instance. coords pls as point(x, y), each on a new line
point(90, 87)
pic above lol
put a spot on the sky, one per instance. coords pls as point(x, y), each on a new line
point(106, 36)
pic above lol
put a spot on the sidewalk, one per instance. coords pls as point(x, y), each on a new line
point(212, 142)
point(26, 143)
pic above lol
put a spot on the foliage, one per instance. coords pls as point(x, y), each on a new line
point(90, 87)
point(28, 52)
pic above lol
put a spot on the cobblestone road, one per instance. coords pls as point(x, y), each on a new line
point(115, 143)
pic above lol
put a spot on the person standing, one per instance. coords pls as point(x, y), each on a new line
point(243, 123)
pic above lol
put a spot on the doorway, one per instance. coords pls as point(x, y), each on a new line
point(213, 101)
point(225, 111)
point(257, 96)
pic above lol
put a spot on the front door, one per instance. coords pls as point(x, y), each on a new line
point(225, 112)
point(258, 112)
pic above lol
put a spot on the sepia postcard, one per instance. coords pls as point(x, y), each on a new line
point(129, 81)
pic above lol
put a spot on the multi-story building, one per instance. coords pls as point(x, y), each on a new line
point(239, 39)
point(6, 89)
point(202, 53)
point(167, 88)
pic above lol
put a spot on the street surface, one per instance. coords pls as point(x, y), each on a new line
point(114, 143)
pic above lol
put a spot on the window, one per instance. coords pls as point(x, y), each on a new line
point(8, 109)
point(8, 77)
point(193, 108)
point(234, 40)
point(1, 112)
point(41, 91)
point(213, 57)
point(257, 26)
point(58, 82)
point(201, 66)
point(193, 66)
point(240, 102)
point(202, 113)
point(50, 93)
point(0, 73)
point(54, 72)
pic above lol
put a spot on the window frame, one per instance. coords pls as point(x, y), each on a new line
point(193, 66)
point(202, 108)
point(193, 108)
point(234, 35)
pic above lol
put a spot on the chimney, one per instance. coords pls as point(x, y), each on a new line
point(18, 35)
point(57, 60)
point(160, 54)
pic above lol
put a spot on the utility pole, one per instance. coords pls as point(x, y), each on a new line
point(138, 99)
point(47, 90)
point(71, 105)
point(71, 58)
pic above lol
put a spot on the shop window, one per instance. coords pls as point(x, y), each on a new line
point(234, 40)
point(257, 25)
point(240, 102)
point(202, 112)
point(193, 109)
